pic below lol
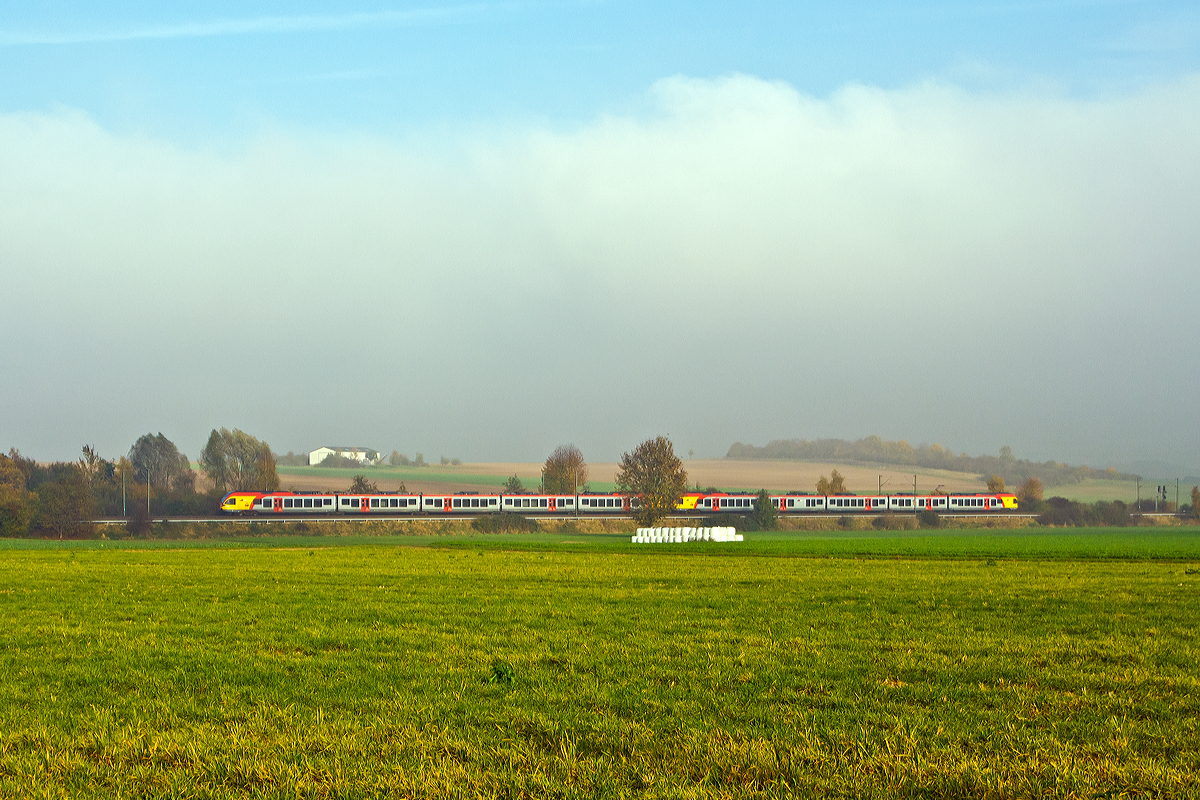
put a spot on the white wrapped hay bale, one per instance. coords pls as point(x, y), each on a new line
point(683, 535)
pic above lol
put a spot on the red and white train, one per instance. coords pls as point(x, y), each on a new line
point(593, 503)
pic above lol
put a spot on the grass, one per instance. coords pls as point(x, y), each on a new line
point(578, 665)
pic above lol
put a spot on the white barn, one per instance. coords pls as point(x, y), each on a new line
point(364, 454)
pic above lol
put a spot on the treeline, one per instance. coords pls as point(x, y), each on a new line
point(875, 450)
point(1059, 511)
point(62, 499)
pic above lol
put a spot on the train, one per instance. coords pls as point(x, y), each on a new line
point(596, 503)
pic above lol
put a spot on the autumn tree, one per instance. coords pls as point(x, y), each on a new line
point(565, 470)
point(995, 484)
point(237, 462)
point(834, 484)
point(65, 506)
point(16, 501)
point(655, 476)
point(1196, 502)
point(157, 461)
point(1030, 492)
point(513, 486)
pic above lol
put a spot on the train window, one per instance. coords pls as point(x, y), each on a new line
point(457, 503)
point(308, 502)
point(266, 502)
point(354, 502)
point(545, 503)
point(492, 502)
point(568, 502)
point(287, 502)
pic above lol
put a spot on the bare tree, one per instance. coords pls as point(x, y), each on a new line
point(655, 476)
point(565, 470)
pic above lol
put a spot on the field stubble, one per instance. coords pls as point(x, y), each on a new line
point(363, 671)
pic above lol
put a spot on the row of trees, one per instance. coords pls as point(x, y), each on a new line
point(875, 450)
point(63, 498)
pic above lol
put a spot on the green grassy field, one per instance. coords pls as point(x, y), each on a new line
point(291, 668)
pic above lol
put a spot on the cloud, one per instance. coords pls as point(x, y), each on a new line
point(741, 262)
point(300, 23)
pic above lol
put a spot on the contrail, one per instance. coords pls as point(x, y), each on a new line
point(242, 27)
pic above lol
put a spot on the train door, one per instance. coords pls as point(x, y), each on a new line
point(279, 504)
point(365, 506)
point(446, 504)
point(554, 504)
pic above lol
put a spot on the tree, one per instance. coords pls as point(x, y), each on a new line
point(398, 459)
point(1030, 492)
point(655, 476)
point(834, 484)
point(1196, 502)
point(995, 484)
point(16, 502)
point(65, 506)
point(157, 460)
point(363, 486)
point(764, 517)
point(513, 486)
point(237, 462)
point(565, 470)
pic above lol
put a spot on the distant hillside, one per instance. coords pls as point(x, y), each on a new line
point(875, 450)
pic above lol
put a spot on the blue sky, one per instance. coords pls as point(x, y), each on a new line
point(484, 230)
point(190, 71)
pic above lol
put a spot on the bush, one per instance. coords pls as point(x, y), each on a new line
point(764, 517)
point(504, 522)
point(846, 522)
point(138, 522)
point(1115, 514)
point(929, 519)
point(893, 522)
point(1063, 512)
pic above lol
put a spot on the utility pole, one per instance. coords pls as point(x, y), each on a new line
point(1177, 495)
point(124, 513)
